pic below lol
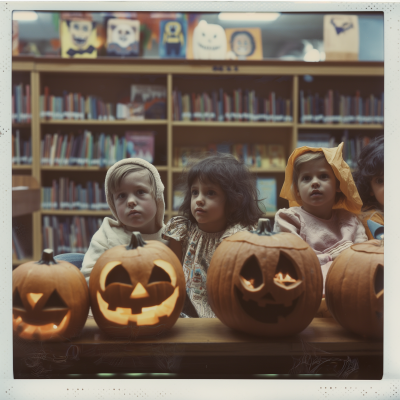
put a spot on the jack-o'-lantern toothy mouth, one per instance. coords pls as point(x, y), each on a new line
point(265, 310)
point(148, 315)
point(39, 332)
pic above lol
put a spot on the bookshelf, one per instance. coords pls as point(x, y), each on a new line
point(107, 77)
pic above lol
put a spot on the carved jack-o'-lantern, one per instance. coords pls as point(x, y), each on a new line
point(264, 283)
point(138, 289)
point(354, 288)
point(50, 299)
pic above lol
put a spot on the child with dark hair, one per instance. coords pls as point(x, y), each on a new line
point(220, 200)
point(370, 184)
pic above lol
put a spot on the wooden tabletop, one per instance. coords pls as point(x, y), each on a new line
point(209, 337)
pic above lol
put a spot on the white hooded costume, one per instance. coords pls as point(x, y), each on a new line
point(112, 232)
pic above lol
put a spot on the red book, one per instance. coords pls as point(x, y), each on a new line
point(58, 151)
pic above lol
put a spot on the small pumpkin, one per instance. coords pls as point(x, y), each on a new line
point(354, 288)
point(137, 290)
point(265, 283)
point(50, 299)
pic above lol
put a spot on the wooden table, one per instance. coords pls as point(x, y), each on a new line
point(198, 347)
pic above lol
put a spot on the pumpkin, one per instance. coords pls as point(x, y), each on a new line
point(137, 290)
point(264, 283)
point(354, 289)
point(50, 299)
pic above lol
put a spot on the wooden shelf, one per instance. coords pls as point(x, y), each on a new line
point(21, 125)
point(102, 123)
point(252, 169)
point(230, 124)
point(80, 168)
point(340, 126)
point(21, 166)
point(89, 213)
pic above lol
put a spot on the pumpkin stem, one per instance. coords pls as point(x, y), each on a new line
point(136, 241)
point(264, 227)
point(47, 257)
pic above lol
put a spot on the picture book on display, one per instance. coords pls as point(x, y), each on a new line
point(140, 145)
point(244, 43)
point(78, 35)
point(148, 102)
point(267, 194)
point(173, 38)
point(123, 37)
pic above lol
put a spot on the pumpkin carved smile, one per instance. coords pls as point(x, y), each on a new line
point(137, 290)
point(122, 303)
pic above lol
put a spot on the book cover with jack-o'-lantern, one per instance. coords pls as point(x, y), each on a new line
point(78, 37)
point(244, 43)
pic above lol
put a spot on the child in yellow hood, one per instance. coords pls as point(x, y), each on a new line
point(323, 201)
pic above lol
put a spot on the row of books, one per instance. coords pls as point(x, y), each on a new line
point(18, 252)
point(145, 102)
point(253, 155)
point(351, 149)
point(267, 194)
point(242, 105)
point(337, 108)
point(68, 195)
point(69, 234)
point(21, 104)
point(21, 149)
point(101, 150)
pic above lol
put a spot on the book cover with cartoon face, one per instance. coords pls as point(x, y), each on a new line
point(341, 37)
point(173, 38)
point(78, 38)
point(209, 42)
point(123, 37)
point(244, 43)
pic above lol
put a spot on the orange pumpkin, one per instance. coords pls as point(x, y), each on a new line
point(137, 290)
point(354, 289)
point(50, 299)
point(265, 283)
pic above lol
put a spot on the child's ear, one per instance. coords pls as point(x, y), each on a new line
point(338, 187)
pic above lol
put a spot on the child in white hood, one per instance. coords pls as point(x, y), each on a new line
point(135, 194)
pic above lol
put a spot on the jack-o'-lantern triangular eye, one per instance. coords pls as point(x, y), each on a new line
point(54, 301)
point(285, 273)
point(251, 273)
point(378, 280)
point(158, 275)
point(17, 301)
point(118, 275)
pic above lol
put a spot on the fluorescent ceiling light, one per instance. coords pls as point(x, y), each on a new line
point(24, 16)
point(248, 16)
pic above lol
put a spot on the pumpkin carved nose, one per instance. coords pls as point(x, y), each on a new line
point(139, 292)
point(33, 298)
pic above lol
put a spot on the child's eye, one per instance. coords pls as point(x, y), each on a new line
point(324, 176)
point(121, 196)
point(141, 191)
point(195, 192)
point(211, 193)
point(306, 178)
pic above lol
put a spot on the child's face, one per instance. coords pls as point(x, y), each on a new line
point(135, 205)
point(317, 188)
point(377, 188)
point(208, 206)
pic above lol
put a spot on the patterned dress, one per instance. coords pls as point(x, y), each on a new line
point(197, 248)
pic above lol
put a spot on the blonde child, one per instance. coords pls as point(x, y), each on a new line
point(323, 201)
point(370, 183)
point(220, 200)
point(134, 192)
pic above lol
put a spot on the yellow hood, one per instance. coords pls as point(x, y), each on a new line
point(351, 202)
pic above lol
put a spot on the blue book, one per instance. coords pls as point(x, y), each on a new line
point(267, 194)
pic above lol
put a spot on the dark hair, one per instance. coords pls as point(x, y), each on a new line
point(236, 181)
point(369, 164)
